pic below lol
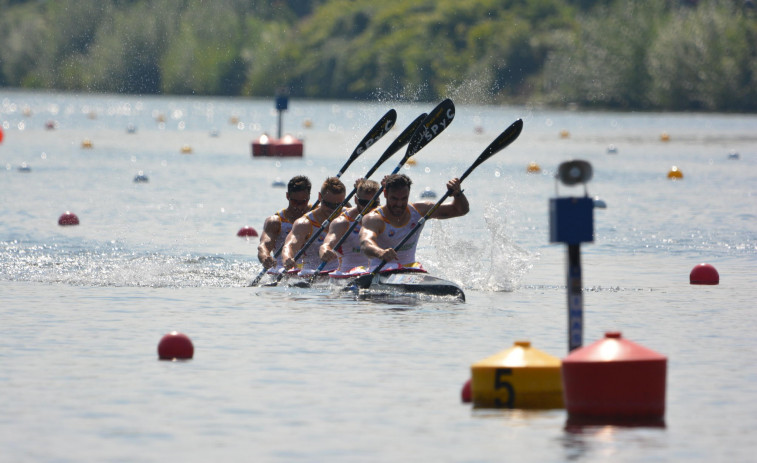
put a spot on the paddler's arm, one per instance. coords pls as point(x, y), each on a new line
point(294, 242)
point(337, 228)
point(459, 205)
point(271, 230)
point(372, 225)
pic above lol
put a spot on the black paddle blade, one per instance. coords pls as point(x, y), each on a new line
point(508, 136)
point(437, 120)
point(397, 144)
point(381, 128)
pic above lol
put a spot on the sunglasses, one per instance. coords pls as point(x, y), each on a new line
point(330, 205)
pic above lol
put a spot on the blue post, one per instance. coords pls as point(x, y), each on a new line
point(571, 221)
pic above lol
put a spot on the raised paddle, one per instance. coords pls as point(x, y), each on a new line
point(438, 120)
point(383, 126)
point(398, 143)
point(505, 138)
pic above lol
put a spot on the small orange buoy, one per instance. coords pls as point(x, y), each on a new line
point(465, 394)
point(68, 218)
point(186, 149)
point(234, 120)
point(175, 345)
point(247, 232)
point(675, 174)
point(307, 123)
point(704, 274)
point(533, 168)
point(411, 162)
point(564, 134)
point(664, 136)
point(86, 143)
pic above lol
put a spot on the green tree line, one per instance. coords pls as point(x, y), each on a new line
point(617, 54)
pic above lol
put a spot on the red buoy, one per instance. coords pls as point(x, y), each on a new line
point(68, 218)
point(615, 378)
point(704, 274)
point(247, 232)
point(466, 393)
point(1, 134)
point(175, 345)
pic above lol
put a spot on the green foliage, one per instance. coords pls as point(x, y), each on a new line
point(644, 54)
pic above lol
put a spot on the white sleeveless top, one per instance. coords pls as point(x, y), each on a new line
point(310, 260)
point(286, 227)
point(351, 260)
point(393, 235)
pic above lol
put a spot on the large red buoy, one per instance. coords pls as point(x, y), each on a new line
point(175, 345)
point(704, 274)
point(68, 218)
point(615, 378)
point(246, 232)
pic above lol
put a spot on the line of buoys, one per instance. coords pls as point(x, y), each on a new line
point(86, 143)
point(247, 231)
point(675, 173)
point(616, 379)
point(533, 168)
point(519, 377)
point(68, 218)
point(704, 274)
point(175, 346)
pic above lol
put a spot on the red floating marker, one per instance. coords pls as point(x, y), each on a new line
point(175, 345)
point(466, 393)
point(704, 274)
point(68, 218)
point(1, 134)
point(615, 378)
point(247, 231)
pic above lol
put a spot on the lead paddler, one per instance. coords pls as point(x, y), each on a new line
point(386, 226)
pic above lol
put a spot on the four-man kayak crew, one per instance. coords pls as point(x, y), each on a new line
point(277, 227)
point(386, 226)
point(331, 196)
point(351, 261)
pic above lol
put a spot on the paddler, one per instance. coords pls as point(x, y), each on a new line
point(385, 227)
point(351, 261)
point(331, 196)
point(277, 227)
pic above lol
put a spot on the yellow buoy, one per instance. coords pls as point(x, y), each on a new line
point(234, 120)
point(675, 174)
point(533, 168)
point(307, 123)
point(519, 377)
point(664, 136)
point(86, 143)
point(564, 134)
point(411, 162)
point(186, 149)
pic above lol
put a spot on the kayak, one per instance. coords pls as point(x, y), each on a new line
point(394, 283)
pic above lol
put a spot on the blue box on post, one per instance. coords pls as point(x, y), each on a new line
point(571, 220)
point(282, 101)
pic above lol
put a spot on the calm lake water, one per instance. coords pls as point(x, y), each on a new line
point(287, 374)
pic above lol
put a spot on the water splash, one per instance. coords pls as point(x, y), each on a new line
point(496, 264)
